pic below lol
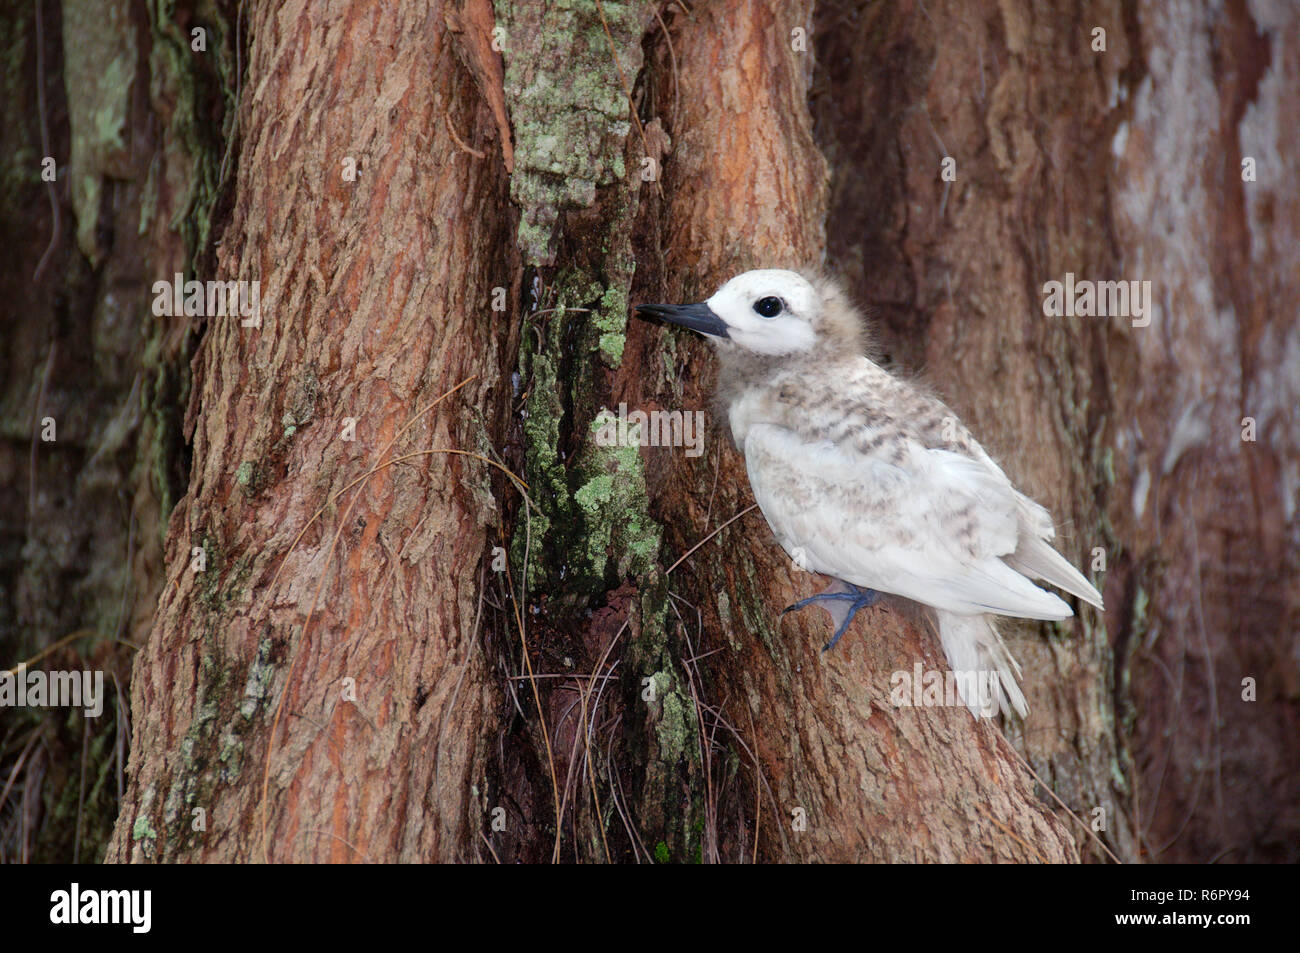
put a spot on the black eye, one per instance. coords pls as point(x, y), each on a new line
point(769, 307)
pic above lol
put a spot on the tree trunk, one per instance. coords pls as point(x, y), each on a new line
point(92, 450)
point(413, 606)
point(315, 686)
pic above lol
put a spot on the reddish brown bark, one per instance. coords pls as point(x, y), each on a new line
point(778, 148)
point(375, 302)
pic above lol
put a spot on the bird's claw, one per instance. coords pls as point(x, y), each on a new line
point(842, 615)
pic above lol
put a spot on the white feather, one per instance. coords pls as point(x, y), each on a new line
point(1036, 559)
point(973, 645)
point(873, 482)
point(893, 528)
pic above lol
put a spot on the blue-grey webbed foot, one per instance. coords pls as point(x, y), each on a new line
point(841, 600)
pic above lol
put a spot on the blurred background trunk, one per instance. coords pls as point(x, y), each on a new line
point(485, 635)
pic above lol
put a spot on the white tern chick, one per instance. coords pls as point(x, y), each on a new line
point(870, 480)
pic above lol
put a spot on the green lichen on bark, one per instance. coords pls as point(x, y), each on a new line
point(191, 86)
point(613, 506)
point(143, 832)
point(571, 118)
point(230, 695)
point(672, 728)
point(564, 364)
point(544, 470)
point(568, 105)
point(211, 755)
point(590, 524)
point(590, 527)
point(669, 747)
point(609, 320)
point(99, 51)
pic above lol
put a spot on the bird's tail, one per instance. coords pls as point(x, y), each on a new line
point(985, 671)
point(1037, 559)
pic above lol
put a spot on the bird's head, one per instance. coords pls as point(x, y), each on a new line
point(770, 312)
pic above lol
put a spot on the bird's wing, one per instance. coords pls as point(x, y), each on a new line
point(928, 524)
point(1034, 556)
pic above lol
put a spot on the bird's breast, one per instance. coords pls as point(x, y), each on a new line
point(745, 410)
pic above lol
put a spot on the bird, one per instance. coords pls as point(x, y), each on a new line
point(871, 480)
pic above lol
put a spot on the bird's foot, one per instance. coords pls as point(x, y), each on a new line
point(841, 600)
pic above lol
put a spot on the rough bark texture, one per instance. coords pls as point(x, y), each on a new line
point(375, 301)
point(368, 643)
point(748, 188)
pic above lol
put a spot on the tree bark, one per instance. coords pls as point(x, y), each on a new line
point(411, 606)
point(318, 690)
point(1207, 439)
point(92, 451)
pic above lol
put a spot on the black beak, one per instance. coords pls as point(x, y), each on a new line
point(697, 317)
